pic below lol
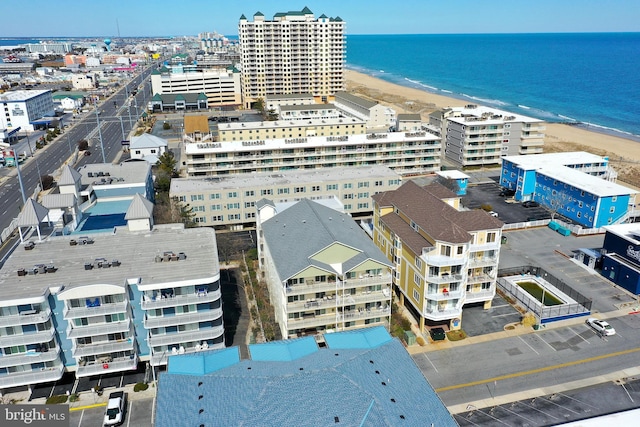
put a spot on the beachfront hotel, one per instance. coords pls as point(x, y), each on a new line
point(101, 303)
point(477, 136)
point(323, 271)
point(292, 53)
point(274, 146)
point(578, 185)
point(25, 109)
point(229, 201)
point(444, 257)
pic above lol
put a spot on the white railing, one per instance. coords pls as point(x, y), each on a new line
point(32, 377)
point(26, 339)
point(181, 319)
point(184, 337)
point(194, 298)
point(117, 365)
point(103, 309)
point(111, 347)
point(29, 357)
point(101, 329)
point(25, 319)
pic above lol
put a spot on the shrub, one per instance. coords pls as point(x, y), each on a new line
point(456, 335)
point(140, 387)
point(486, 207)
point(74, 397)
point(57, 399)
point(166, 126)
point(47, 181)
point(83, 144)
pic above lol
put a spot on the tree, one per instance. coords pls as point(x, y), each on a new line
point(166, 126)
point(227, 246)
point(557, 201)
point(272, 116)
point(448, 183)
point(167, 163)
point(47, 181)
point(259, 105)
point(83, 144)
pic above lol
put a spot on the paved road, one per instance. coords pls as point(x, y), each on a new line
point(49, 159)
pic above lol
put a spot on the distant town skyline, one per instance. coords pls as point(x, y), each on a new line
point(74, 18)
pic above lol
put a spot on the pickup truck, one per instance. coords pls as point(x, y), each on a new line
point(116, 407)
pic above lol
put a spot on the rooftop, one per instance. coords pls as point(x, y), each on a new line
point(583, 181)
point(535, 161)
point(21, 95)
point(127, 172)
point(278, 124)
point(136, 252)
point(363, 377)
point(487, 115)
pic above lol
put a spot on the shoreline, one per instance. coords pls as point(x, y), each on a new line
point(493, 103)
point(623, 151)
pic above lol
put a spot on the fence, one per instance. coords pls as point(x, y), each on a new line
point(581, 307)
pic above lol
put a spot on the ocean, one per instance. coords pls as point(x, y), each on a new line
point(586, 78)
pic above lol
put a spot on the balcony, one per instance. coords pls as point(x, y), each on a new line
point(30, 317)
point(489, 246)
point(443, 260)
point(445, 278)
point(26, 339)
point(442, 313)
point(101, 329)
point(184, 337)
point(129, 363)
point(29, 357)
point(445, 295)
point(181, 319)
point(483, 295)
point(101, 310)
point(32, 377)
point(195, 298)
point(480, 278)
point(162, 358)
point(84, 350)
point(482, 261)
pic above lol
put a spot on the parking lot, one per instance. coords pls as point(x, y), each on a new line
point(138, 413)
point(478, 321)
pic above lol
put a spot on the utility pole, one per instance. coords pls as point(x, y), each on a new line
point(104, 160)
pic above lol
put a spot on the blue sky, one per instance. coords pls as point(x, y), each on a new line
point(41, 18)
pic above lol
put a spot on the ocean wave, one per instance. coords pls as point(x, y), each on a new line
point(567, 118)
point(485, 100)
point(524, 107)
point(416, 82)
point(445, 91)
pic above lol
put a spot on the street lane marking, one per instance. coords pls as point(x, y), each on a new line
point(434, 366)
point(527, 344)
point(538, 370)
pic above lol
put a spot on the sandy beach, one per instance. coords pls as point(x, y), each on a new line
point(624, 154)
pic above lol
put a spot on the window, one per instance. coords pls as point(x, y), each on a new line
point(299, 189)
point(216, 207)
point(614, 198)
point(250, 215)
point(249, 193)
point(195, 197)
point(416, 279)
point(348, 196)
point(232, 194)
point(416, 295)
point(315, 188)
point(332, 187)
point(249, 204)
point(486, 286)
point(347, 185)
point(445, 250)
point(612, 209)
point(214, 196)
point(267, 192)
point(460, 250)
point(233, 205)
point(364, 195)
point(233, 217)
point(378, 183)
point(283, 191)
point(419, 263)
point(217, 218)
point(363, 184)
point(491, 237)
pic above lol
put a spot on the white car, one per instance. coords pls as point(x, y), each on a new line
point(600, 326)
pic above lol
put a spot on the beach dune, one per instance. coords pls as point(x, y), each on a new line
point(624, 153)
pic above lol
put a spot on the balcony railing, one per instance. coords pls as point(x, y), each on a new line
point(29, 357)
point(312, 286)
point(26, 318)
point(163, 357)
point(102, 310)
point(195, 298)
point(110, 347)
point(444, 296)
point(445, 278)
point(185, 337)
point(483, 295)
point(479, 278)
point(26, 339)
point(32, 377)
point(181, 319)
point(442, 314)
point(482, 261)
point(117, 365)
point(101, 329)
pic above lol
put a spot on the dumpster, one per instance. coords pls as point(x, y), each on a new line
point(554, 225)
point(564, 231)
point(503, 240)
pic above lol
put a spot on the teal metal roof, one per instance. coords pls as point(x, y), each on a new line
point(284, 351)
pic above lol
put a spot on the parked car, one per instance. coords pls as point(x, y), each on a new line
point(531, 204)
point(116, 407)
point(507, 193)
point(600, 326)
point(493, 214)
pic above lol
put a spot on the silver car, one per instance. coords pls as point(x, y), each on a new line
point(600, 326)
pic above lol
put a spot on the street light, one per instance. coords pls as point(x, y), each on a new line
point(104, 160)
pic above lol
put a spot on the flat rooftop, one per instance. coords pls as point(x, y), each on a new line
point(125, 173)
point(21, 95)
point(583, 181)
point(136, 252)
point(535, 161)
point(264, 179)
point(493, 115)
point(279, 124)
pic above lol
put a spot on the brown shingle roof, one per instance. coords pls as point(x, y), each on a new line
point(409, 237)
point(439, 220)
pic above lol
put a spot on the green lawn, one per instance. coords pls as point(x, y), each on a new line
point(536, 291)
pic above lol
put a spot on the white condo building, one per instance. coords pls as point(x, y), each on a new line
point(281, 145)
point(293, 53)
point(475, 135)
point(21, 108)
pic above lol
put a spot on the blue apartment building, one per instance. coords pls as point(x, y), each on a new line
point(621, 259)
point(576, 185)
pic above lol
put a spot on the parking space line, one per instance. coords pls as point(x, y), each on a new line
point(504, 315)
point(80, 422)
point(434, 366)
point(129, 409)
point(550, 346)
point(581, 337)
point(527, 344)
